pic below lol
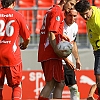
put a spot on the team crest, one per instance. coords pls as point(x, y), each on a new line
point(58, 18)
point(74, 35)
point(90, 30)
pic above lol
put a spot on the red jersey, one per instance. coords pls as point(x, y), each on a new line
point(12, 25)
point(53, 21)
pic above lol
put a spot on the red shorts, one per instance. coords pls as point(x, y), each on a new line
point(53, 68)
point(13, 75)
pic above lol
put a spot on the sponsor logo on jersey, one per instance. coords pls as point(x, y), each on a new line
point(58, 18)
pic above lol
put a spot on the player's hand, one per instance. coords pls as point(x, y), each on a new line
point(78, 64)
point(23, 46)
point(69, 63)
point(65, 38)
point(90, 98)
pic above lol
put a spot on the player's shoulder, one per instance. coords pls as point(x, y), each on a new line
point(75, 25)
point(55, 9)
point(19, 15)
point(95, 9)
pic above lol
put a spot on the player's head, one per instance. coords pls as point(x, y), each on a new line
point(68, 4)
point(71, 16)
point(84, 8)
point(7, 3)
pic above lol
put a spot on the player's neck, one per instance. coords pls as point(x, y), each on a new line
point(12, 5)
point(61, 6)
point(67, 22)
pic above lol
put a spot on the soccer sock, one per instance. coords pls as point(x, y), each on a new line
point(17, 93)
point(42, 98)
point(74, 92)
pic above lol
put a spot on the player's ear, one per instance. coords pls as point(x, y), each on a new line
point(64, 1)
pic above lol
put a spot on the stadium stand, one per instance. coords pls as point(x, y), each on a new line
point(81, 25)
point(27, 3)
point(34, 11)
point(40, 13)
point(45, 3)
point(97, 3)
point(91, 2)
point(28, 13)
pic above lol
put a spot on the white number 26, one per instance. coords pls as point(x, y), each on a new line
point(9, 30)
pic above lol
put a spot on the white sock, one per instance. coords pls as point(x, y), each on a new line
point(74, 94)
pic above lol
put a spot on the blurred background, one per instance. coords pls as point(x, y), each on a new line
point(34, 11)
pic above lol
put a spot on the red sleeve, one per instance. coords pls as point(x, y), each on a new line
point(55, 18)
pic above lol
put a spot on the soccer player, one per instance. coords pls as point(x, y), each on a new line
point(70, 32)
point(12, 25)
point(92, 16)
point(49, 55)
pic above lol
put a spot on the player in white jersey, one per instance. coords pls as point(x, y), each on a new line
point(70, 32)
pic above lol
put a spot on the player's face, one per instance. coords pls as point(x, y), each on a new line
point(87, 14)
point(69, 5)
point(71, 17)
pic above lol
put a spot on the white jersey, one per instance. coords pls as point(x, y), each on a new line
point(71, 32)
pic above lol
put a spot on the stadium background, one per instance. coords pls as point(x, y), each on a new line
point(33, 79)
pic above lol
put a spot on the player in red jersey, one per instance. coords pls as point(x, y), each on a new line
point(12, 25)
point(48, 53)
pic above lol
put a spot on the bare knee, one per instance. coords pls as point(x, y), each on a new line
point(61, 84)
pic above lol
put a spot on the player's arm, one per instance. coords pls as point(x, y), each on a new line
point(69, 63)
point(24, 33)
point(52, 40)
point(76, 55)
point(24, 44)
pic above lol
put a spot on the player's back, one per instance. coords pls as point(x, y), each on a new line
point(53, 21)
point(9, 35)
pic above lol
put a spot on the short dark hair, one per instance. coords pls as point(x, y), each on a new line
point(6, 3)
point(67, 0)
point(82, 6)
